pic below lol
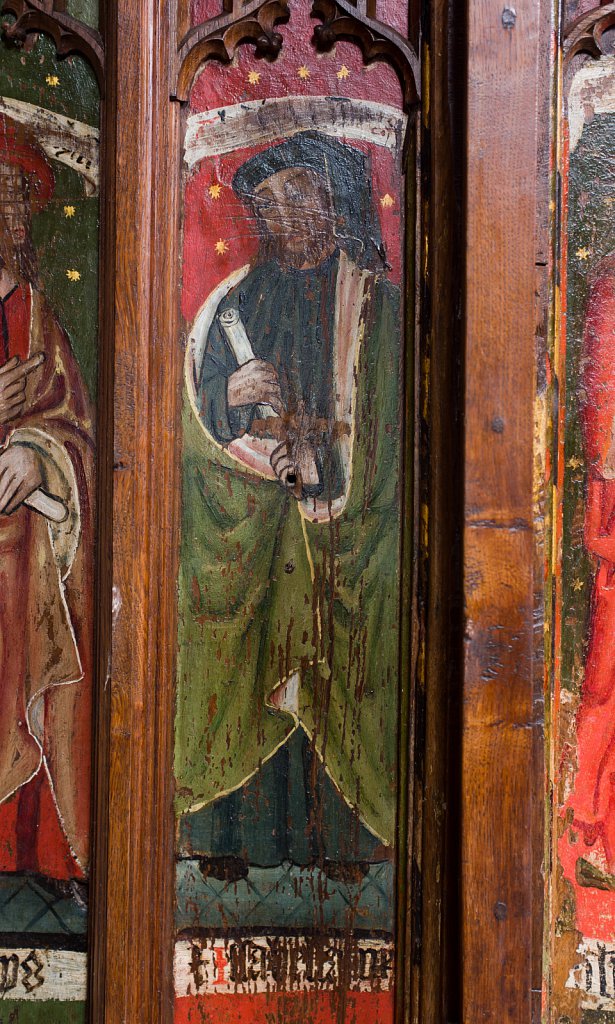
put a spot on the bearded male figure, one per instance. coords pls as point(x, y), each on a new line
point(290, 567)
point(46, 462)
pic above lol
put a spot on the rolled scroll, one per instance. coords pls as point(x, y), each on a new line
point(48, 506)
point(240, 346)
point(239, 343)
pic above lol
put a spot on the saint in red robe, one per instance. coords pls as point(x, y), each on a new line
point(593, 800)
point(46, 571)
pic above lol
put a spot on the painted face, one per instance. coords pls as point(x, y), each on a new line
point(14, 207)
point(295, 207)
point(15, 222)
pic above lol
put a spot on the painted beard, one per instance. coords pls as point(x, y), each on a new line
point(310, 250)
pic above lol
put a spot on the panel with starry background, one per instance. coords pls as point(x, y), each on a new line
point(49, 176)
point(288, 649)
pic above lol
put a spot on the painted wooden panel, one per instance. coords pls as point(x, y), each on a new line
point(287, 723)
point(582, 915)
point(49, 174)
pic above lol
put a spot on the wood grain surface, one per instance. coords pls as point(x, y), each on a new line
point(500, 897)
point(132, 928)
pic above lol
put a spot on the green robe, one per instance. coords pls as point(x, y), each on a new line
point(264, 593)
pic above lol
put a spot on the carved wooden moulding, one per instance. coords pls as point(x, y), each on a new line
point(69, 34)
point(218, 38)
point(586, 34)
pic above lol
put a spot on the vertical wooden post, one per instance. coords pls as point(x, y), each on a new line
point(132, 923)
point(499, 897)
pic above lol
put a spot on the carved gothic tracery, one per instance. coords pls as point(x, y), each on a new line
point(342, 20)
point(69, 34)
point(255, 22)
point(219, 37)
point(586, 34)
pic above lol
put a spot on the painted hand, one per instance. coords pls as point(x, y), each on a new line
point(255, 383)
point(21, 473)
point(13, 378)
point(295, 469)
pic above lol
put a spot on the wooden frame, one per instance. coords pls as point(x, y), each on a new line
point(483, 700)
point(134, 824)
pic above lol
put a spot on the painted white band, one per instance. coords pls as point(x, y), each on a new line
point(592, 92)
point(69, 142)
point(594, 975)
point(38, 974)
point(220, 131)
point(259, 964)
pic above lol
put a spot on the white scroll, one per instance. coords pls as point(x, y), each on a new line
point(48, 506)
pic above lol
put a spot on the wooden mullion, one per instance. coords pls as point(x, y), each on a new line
point(131, 929)
point(441, 510)
point(97, 918)
point(165, 455)
point(505, 81)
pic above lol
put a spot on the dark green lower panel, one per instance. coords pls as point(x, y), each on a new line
point(18, 1011)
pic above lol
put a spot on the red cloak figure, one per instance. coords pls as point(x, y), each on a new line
point(46, 565)
point(593, 800)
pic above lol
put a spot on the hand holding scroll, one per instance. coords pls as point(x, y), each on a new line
point(255, 383)
point(21, 476)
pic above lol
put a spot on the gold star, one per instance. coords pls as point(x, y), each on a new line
point(583, 253)
point(73, 275)
point(343, 72)
point(574, 462)
point(214, 191)
point(387, 201)
point(52, 80)
point(304, 72)
point(69, 211)
point(577, 585)
point(221, 247)
point(254, 77)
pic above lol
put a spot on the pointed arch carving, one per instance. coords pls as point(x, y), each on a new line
point(586, 33)
point(69, 34)
point(256, 23)
point(219, 37)
point(342, 19)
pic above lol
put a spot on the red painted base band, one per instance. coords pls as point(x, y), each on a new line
point(287, 1008)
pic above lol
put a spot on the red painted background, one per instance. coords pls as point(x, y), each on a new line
point(209, 221)
point(288, 1008)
